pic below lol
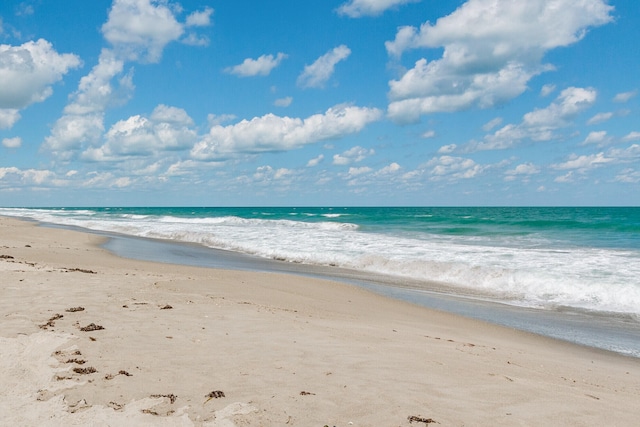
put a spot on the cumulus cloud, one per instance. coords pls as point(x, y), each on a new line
point(583, 163)
point(523, 169)
point(283, 102)
point(200, 18)
point(140, 29)
point(547, 90)
point(82, 121)
point(491, 51)
point(629, 176)
point(353, 155)
point(15, 142)
point(599, 138)
point(8, 117)
point(389, 169)
point(271, 133)
point(632, 136)
point(625, 96)
point(13, 177)
point(315, 161)
point(254, 67)
point(492, 124)
point(358, 8)
point(452, 168)
point(168, 128)
point(317, 74)
point(428, 134)
point(540, 124)
point(27, 73)
point(359, 171)
point(599, 118)
point(447, 149)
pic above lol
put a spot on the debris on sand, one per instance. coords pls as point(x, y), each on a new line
point(79, 270)
point(216, 394)
point(85, 371)
point(51, 321)
point(74, 309)
point(172, 397)
point(91, 327)
point(416, 419)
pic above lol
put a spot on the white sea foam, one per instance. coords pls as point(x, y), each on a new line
point(522, 270)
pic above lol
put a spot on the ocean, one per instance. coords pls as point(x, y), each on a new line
point(562, 259)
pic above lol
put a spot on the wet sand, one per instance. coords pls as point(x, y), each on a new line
point(88, 338)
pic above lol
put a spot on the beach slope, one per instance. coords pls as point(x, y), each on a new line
point(87, 338)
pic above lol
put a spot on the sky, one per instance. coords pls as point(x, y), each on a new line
point(319, 102)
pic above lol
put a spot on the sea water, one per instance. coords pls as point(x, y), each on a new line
point(583, 258)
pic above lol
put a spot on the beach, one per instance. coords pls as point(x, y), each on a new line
point(89, 338)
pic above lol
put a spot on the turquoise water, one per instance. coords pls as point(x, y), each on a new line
point(585, 258)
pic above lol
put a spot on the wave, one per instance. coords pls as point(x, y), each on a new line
point(525, 269)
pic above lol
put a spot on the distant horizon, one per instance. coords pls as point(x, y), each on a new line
point(336, 102)
point(315, 206)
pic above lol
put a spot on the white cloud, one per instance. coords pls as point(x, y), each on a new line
point(571, 102)
point(353, 155)
point(200, 19)
point(453, 168)
point(27, 73)
point(540, 124)
point(12, 177)
point(358, 8)
point(168, 128)
point(568, 177)
point(492, 124)
point(428, 134)
point(583, 163)
point(15, 142)
point(8, 117)
point(629, 176)
point(632, 136)
point(625, 96)
point(83, 117)
point(599, 137)
point(599, 118)
point(271, 133)
point(359, 171)
point(317, 74)
point(267, 174)
point(315, 161)
point(140, 29)
point(524, 169)
point(547, 90)
point(389, 169)
point(446, 149)
point(491, 50)
point(254, 67)
point(628, 154)
point(283, 102)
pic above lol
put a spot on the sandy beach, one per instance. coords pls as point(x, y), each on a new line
point(88, 338)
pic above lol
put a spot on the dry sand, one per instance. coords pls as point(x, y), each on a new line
point(184, 346)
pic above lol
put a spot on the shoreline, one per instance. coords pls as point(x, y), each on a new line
point(606, 331)
point(281, 349)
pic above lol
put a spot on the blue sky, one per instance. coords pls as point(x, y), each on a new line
point(319, 102)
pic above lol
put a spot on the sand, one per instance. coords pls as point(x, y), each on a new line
point(87, 338)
